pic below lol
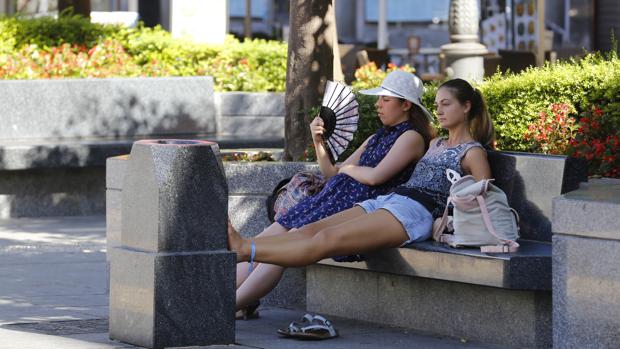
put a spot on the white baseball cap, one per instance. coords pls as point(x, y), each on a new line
point(404, 85)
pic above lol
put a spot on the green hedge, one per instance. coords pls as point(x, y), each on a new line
point(516, 100)
point(62, 48)
point(49, 32)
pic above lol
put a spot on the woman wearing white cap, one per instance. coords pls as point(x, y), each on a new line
point(403, 216)
point(384, 161)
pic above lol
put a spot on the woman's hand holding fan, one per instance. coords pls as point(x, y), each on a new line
point(339, 113)
point(317, 130)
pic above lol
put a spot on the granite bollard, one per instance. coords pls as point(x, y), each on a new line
point(586, 272)
point(172, 280)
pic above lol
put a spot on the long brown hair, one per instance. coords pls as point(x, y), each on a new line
point(420, 123)
point(480, 123)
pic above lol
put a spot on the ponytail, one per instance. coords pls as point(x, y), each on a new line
point(480, 123)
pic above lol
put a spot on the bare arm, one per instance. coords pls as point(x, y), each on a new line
point(475, 162)
point(407, 148)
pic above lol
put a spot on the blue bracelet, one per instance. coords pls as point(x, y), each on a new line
point(252, 254)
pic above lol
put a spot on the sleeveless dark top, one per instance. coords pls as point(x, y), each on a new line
point(342, 191)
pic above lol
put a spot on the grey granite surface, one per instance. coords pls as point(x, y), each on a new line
point(162, 300)
point(592, 211)
point(509, 318)
point(250, 104)
point(113, 218)
point(72, 108)
point(174, 197)
point(261, 177)
point(77, 153)
point(252, 126)
point(52, 192)
point(528, 269)
point(531, 181)
point(586, 301)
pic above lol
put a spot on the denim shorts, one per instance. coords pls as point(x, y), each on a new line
point(414, 217)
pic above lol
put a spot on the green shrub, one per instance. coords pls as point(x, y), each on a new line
point(48, 32)
point(61, 48)
point(515, 100)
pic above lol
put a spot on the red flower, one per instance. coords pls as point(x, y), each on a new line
point(597, 111)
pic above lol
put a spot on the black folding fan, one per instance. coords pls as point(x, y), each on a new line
point(339, 112)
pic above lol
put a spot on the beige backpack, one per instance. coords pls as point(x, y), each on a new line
point(481, 216)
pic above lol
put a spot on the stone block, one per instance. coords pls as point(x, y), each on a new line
point(509, 318)
point(113, 218)
point(592, 211)
point(248, 214)
point(250, 104)
point(252, 126)
point(162, 300)
point(80, 108)
point(290, 291)
point(115, 169)
point(38, 153)
point(261, 177)
point(586, 302)
point(586, 276)
point(531, 181)
point(174, 197)
point(528, 269)
point(52, 192)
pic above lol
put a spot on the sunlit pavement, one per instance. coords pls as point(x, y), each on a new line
point(54, 294)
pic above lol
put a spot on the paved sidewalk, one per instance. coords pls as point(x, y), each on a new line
point(54, 294)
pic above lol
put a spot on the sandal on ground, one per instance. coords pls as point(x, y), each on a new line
point(248, 313)
point(310, 327)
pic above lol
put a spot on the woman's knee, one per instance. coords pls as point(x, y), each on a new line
point(324, 242)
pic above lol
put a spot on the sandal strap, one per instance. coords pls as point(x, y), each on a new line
point(321, 322)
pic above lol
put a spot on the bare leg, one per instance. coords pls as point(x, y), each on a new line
point(266, 276)
point(360, 234)
point(243, 268)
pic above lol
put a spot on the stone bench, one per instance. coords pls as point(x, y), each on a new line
point(463, 293)
point(502, 298)
point(59, 133)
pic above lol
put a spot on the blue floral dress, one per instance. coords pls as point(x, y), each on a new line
point(342, 191)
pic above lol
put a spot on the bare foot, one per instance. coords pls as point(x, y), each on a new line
point(236, 243)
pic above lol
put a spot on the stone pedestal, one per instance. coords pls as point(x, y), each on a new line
point(172, 280)
point(586, 272)
point(464, 55)
point(464, 60)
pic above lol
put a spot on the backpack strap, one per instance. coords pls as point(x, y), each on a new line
point(453, 177)
point(439, 229)
point(505, 245)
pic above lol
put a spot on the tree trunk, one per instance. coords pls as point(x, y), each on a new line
point(81, 7)
point(310, 64)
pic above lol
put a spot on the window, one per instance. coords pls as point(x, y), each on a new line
point(260, 8)
point(409, 10)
